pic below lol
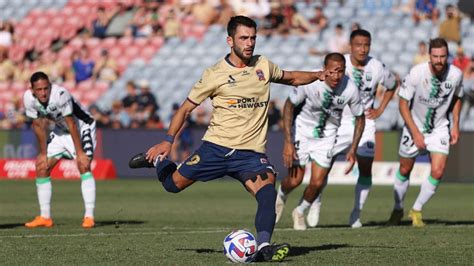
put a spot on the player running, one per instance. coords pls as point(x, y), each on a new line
point(234, 143)
point(367, 73)
point(427, 95)
point(316, 128)
point(73, 137)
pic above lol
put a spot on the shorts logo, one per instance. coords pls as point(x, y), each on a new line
point(370, 145)
point(263, 161)
point(261, 76)
point(194, 160)
point(444, 142)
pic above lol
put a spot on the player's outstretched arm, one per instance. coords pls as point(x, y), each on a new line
point(163, 148)
point(456, 114)
point(288, 149)
point(297, 78)
point(358, 130)
point(418, 138)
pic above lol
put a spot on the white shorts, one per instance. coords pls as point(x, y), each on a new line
point(318, 150)
point(345, 137)
point(61, 145)
point(437, 142)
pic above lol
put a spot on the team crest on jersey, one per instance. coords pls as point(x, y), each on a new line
point(368, 76)
point(52, 108)
point(231, 81)
point(194, 160)
point(339, 100)
point(261, 76)
point(448, 85)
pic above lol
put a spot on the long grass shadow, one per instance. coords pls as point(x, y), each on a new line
point(427, 221)
point(118, 223)
point(200, 250)
point(10, 226)
point(299, 251)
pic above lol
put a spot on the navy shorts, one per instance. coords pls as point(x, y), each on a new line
point(212, 161)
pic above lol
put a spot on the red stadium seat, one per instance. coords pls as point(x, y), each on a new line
point(70, 85)
point(141, 42)
point(92, 43)
point(109, 42)
point(125, 42)
point(131, 52)
point(157, 42)
point(19, 87)
point(4, 86)
point(76, 43)
point(101, 86)
point(115, 51)
point(147, 52)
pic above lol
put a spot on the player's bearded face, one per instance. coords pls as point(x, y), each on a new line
point(243, 42)
point(439, 59)
point(360, 48)
point(41, 90)
point(335, 70)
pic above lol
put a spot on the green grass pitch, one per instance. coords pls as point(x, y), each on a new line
point(139, 223)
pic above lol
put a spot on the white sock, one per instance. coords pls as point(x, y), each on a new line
point(427, 190)
point(400, 188)
point(303, 206)
point(282, 194)
point(361, 194)
point(44, 190)
point(88, 193)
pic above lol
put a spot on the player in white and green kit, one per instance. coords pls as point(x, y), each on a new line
point(367, 73)
point(315, 132)
point(426, 96)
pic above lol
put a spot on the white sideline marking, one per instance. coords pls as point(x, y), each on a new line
point(182, 230)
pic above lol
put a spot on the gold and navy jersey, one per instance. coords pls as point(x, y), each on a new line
point(240, 99)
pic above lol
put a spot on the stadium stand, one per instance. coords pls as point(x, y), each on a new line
point(171, 65)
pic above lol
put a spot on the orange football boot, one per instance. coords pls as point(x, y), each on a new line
point(88, 222)
point(40, 221)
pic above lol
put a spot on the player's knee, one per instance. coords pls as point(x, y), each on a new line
point(170, 186)
point(405, 170)
point(437, 172)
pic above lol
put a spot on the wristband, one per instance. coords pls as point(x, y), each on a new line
point(169, 138)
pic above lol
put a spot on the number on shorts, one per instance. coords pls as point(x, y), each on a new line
point(407, 141)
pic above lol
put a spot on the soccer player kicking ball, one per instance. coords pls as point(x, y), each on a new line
point(316, 128)
point(234, 143)
point(73, 137)
point(367, 73)
point(427, 93)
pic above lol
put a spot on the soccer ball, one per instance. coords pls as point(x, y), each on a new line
point(240, 246)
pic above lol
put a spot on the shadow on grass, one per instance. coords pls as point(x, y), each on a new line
point(118, 223)
point(299, 251)
point(427, 221)
point(10, 226)
point(200, 250)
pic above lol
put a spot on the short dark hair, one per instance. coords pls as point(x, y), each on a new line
point(38, 76)
point(235, 21)
point(338, 57)
point(360, 32)
point(437, 43)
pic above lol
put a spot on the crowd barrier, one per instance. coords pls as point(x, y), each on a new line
point(117, 146)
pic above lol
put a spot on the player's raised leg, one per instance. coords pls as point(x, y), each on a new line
point(400, 188)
